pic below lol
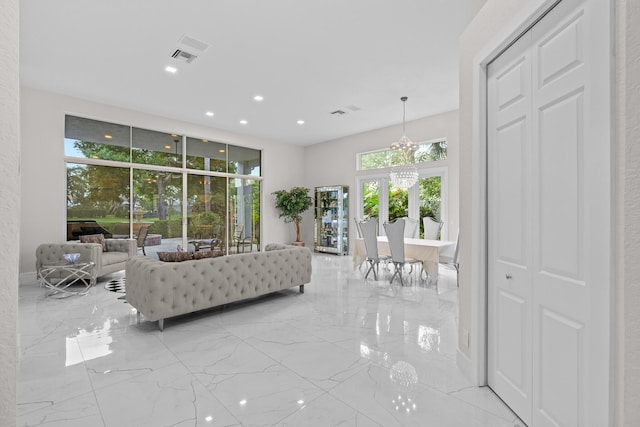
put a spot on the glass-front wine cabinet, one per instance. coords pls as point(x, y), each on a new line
point(332, 219)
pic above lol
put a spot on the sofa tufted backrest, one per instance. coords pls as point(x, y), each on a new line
point(159, 289)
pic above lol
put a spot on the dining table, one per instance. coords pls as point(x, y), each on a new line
point(426, 250)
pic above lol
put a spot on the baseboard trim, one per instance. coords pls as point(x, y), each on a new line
point(465, 365)
point(28, 278)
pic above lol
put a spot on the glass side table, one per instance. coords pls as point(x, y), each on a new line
point(78, 273)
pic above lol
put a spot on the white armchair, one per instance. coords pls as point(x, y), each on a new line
point(114, 259)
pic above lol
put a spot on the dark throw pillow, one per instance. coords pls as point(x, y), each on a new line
point(207, 254)
point(94, 238)
point(186, 256)
point(174, 256)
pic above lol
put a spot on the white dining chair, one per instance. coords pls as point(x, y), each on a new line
point(431, 228)
point(358, 221)
point(369, 230)
point(411, 227)
point(395, 236)
point(451, 258)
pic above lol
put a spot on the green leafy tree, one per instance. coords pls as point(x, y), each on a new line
point(371, 202)
point(398, 203)
point(432, 152)
point(292, 205)
point(430, 197)
point(76, 185)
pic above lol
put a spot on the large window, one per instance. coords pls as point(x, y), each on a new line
point(207, 208)
point(379, 198)
point(93, 139)
point(429, 151)
point(125, 178)
point(98, 193)
point(244, 213)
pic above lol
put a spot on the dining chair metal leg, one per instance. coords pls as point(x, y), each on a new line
point(397, 272)
point(372, 265)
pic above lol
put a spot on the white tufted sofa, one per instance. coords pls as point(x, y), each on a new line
point(159, 290)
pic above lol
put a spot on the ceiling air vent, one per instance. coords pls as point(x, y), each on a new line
point(183, 56)
point(194, 43)
point(338, 113)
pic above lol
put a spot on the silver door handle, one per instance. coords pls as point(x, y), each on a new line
point(508, 276)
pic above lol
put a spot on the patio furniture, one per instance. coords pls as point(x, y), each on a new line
point(210, 244)
point(239, 239)
point(141, 239)
point(77, 228)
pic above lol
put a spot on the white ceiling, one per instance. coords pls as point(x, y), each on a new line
point(306, 57)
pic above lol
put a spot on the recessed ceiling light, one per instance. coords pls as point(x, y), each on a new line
point(258, 98)
point(221, 150)
point(243, 122)
point(168, 147)
point(107, 136)
point(209, 113)
point(300, 122)
point(170, 69)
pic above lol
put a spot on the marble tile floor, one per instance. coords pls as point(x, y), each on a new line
point(347, 352)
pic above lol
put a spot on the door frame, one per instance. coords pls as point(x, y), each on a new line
point(476, 366)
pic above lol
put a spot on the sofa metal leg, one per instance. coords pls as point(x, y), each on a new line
point(161, 324)
point(302, 289)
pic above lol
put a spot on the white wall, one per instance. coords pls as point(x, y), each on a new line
point(487, 22)
point(9, 207)
point(627, 285)
point(334, 162)
point(43, 198)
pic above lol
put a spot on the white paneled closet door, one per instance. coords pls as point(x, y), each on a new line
point(549, 179)
point(510, 227)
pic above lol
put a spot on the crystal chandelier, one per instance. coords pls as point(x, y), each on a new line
point(404, 176)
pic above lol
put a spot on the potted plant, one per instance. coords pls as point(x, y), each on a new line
point(292, 204)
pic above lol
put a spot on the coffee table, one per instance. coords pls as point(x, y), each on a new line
point(78, 273)
point(204, 243)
